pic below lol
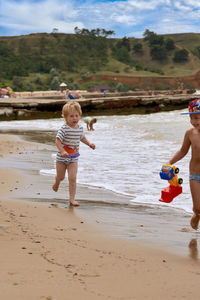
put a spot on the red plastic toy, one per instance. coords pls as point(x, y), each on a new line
point(168, 172)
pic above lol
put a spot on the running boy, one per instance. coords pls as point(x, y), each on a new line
point(192, 139)
point(70, 134)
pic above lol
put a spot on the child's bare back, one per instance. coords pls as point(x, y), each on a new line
point(194, 136)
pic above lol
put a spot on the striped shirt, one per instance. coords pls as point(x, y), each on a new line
point(69, 137)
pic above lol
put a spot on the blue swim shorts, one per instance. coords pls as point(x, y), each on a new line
point(195, 177)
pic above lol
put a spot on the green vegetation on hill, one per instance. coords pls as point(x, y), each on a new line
point(43, 61)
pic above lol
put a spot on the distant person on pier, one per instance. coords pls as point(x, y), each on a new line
point(72, 95)
point(5, 92)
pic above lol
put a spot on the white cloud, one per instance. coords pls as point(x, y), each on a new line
point(180, 6)
point(41, 16)
point(192, 3)
point(147, 5)
point(124, 19)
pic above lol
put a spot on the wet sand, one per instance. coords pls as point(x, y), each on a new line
point(50, 251)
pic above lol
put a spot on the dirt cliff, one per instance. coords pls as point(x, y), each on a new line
point(151, 82)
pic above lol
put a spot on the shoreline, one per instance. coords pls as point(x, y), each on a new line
point(48, 252)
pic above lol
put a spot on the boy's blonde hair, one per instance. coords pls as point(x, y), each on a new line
point(70, 106)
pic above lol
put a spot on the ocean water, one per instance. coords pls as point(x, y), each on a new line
point(130, 151)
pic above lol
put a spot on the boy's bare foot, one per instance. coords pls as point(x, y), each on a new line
point(194, 222)
point(74, 203)
point(55, 187)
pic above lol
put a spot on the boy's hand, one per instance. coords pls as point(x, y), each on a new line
point(92, 146)
point(64, 154)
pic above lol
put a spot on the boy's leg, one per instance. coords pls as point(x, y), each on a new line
point(195, 192)
point(91, 125)
point(72, 169)
point(87, 124)
point(60, 175)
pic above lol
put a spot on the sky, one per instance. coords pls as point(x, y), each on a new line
point(127, 18)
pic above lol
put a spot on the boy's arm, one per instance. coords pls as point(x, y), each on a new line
point(60, 148)
point(85, 141)
point(183, 150)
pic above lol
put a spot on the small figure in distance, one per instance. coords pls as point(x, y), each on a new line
point(89, 122)
point(72, 95)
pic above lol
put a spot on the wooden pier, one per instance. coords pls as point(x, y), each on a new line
point(96, 104)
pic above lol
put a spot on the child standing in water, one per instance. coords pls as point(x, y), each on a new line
point(192, 139)
point(89, 122)
point(70, 134)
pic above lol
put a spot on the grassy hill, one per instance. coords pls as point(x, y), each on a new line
point(42, 61)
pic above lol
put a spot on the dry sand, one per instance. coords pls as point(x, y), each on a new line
point(50, 253)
